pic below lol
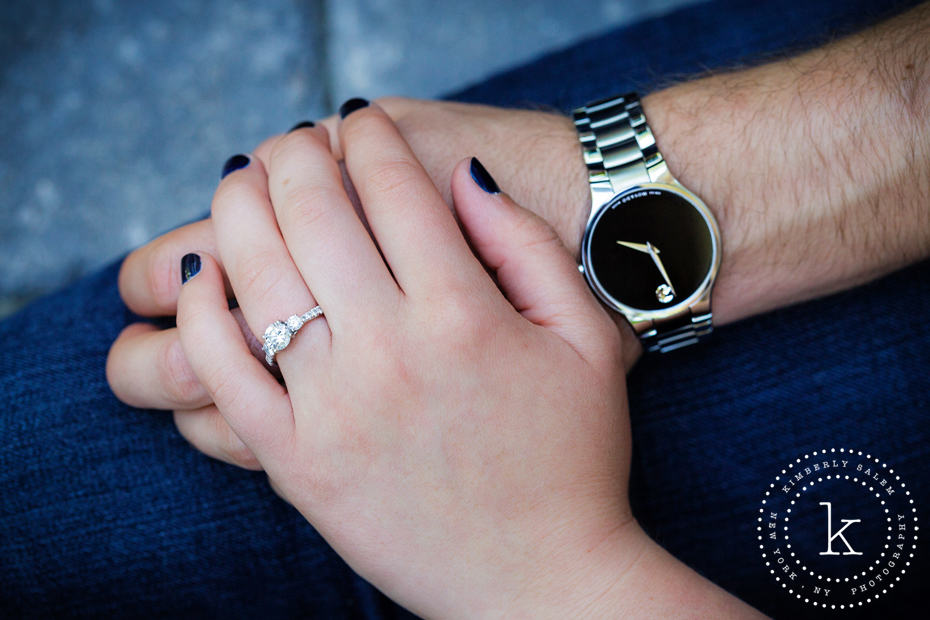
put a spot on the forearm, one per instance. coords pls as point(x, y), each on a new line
point(817, 167)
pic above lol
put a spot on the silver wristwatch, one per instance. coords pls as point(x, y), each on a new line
point(651, 248)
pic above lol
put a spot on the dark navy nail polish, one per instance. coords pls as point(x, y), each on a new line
point(352, 105)
point(190, 267)
point(235, 163)
point(301, 125)
point(483, 178)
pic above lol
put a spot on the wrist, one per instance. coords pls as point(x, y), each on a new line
point(566, 186)
point(803, 171)
point(627, 575)
point(586, 578)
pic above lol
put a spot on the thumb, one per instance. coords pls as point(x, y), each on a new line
point(533, 268)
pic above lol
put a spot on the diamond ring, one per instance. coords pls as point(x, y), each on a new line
point(278, 335)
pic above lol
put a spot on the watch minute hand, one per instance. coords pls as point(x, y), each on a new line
point(654, 253)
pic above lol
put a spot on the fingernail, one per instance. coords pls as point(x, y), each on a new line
point(301, 125)
point(352, 105)
point(483, 178)
point(190, 267)
point(235, 163)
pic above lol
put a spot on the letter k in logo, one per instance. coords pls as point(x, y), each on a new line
point(831, 535)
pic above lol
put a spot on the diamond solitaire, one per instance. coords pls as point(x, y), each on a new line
point(278, 335)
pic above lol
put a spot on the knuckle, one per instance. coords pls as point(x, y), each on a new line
point(336, 457)
point(278, 490)
point(226, 387)
point(461, 322)
point(258, 274)
point(392, 176)
point(307, 206)
point(365, 125)
point(162, 275)
point(390, 364)
point(393, 104)
point(291, 146)
point(190, 315)
point(455, 313)
point(534, 233)
point(322, 486)
point(115, 365)
point(263, 150)
point(177, 378)
point(232, 192)
point(234, 449)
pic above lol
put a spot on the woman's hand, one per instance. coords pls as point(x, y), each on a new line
point(147, 367)
point(465, 451)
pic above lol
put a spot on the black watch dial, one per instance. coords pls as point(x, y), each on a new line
point(650, 249)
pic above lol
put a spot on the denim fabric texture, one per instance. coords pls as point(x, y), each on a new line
point(106, 511)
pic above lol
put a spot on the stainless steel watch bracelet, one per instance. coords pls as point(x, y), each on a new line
point(619, 148)
point(620, 152)
point(666, 336)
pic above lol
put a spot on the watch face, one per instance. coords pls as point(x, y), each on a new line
point(649, 249)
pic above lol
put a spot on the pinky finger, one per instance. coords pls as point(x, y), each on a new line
point(251, 400)
point(207, 430)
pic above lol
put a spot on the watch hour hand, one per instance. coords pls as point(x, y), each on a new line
point(639, 247)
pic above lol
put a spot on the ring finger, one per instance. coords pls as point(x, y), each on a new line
point(266, 282)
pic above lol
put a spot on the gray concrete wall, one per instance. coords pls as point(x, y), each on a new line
point(116, 116)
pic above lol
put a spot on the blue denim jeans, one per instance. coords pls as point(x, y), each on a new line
point(106, 510)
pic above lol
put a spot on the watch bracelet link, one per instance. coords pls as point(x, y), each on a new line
point(618, 147)
point(690, 332)
point(620, 151)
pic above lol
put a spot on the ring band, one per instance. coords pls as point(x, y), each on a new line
point(278, 335)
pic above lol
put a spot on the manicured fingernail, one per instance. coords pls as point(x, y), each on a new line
point(483, 178)
point(190, 267)
point(301, 125)
point(235, 163)
point(352, 105)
